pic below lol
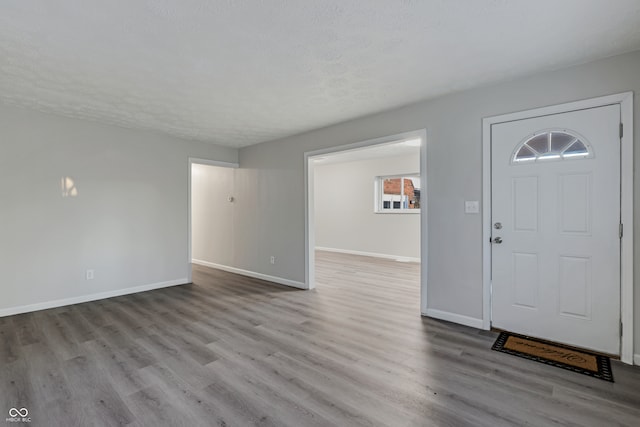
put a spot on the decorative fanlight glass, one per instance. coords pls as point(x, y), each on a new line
point(552, 145)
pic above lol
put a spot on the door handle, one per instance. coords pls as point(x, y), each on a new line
point(497, 240)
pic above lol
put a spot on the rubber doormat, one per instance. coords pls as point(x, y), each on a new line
point(561, 356)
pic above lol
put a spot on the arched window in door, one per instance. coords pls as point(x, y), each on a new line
point(552, 145)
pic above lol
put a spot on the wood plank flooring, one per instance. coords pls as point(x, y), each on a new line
point(235, 351)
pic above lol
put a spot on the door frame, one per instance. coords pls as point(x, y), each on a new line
point(625, 100)
point(198, 161)
point(309, 234)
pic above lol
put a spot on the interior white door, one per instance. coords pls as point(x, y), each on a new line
point(555, 217)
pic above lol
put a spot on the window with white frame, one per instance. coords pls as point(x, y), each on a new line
point(398, 194)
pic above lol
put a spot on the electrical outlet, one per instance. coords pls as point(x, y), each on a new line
point(272, 260)
point(89, 275)
point(472, 207)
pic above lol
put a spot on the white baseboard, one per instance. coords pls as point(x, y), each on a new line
point(455, 318)
point(636, 359)
point(253, 274)
point(371, 254)
point(86, 298)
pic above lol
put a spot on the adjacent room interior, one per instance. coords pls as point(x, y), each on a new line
point(366, 219)
point(212, 208)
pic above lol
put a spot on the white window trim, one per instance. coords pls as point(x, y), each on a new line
point(378, 189)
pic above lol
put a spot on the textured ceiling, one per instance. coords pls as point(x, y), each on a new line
point(241, 72)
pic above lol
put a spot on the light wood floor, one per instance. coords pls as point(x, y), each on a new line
point(234, 351)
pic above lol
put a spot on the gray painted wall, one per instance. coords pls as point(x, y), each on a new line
point(271, 180)
point(128, 222)
point(344, 208)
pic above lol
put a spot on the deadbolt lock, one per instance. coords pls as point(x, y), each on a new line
point(497, 225)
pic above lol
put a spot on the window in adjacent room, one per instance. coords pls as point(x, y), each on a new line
point(398, 194)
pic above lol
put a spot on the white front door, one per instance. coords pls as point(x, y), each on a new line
point(555, 203)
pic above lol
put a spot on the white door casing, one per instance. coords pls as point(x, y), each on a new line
point(556, 274)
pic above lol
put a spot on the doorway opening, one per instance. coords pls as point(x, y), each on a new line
point(366, 213)
point(211, 206)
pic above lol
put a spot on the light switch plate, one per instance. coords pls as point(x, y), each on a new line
point(472, 207)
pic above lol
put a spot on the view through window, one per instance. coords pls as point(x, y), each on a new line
point(398, 193)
